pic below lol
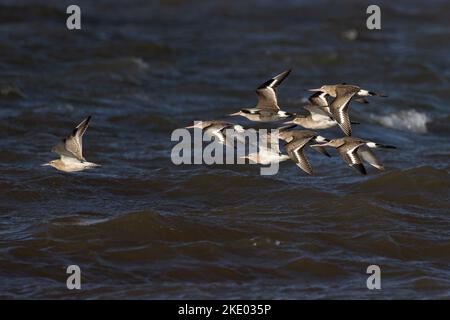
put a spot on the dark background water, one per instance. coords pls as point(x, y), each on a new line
point(141, 227)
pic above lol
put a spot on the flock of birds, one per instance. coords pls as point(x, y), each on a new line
point(322, 115)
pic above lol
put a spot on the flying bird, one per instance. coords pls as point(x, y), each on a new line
point(319, 116)
point(267, 109)
point(330, 90)
point(268, 151)
point(354, 150)
point(217, 128)
point(296, 142)
point(342, 94)
point(70, 150)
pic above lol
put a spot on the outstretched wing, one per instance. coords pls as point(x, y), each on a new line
point(294, 150)
point(368, 156)
point(321, 150)
point(267, 97)
point(352, 158)
point(318, 99)
point(339, 106)
point(317, 113)
point(342, 118)
point(217, 129)
point(72, 145)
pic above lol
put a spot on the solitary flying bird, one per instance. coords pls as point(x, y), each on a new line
point(267, 109)
point(70, 150)
point(354, 150)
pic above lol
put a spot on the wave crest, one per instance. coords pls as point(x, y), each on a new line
point(406, 120)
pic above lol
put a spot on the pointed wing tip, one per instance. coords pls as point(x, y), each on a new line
point(308, 171)
point(280, 77)
point(360, 167)
point(284, 73)
point(274, 81)
point(86, 120)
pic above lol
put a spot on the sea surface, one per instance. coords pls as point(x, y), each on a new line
point(140, 227)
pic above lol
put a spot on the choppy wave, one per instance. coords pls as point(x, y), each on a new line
point(408, 120)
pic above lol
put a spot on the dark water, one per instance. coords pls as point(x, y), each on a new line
point(141, 227)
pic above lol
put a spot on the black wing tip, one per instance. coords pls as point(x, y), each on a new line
point(265, 84)
point(283, 74)
point(308, 172)
point(87, 120)
point(360, 167)
point(280, 77)
point(322, 151)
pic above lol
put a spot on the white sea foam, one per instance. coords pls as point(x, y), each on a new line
point(406, 120)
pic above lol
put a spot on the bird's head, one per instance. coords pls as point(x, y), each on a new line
point(328, 89)
point(198, 125)
point(335, 143)
point(239, 113)
point(51, 163)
